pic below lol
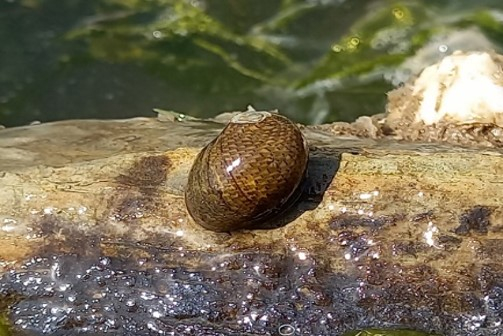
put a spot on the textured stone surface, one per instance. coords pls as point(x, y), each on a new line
point(96, 238)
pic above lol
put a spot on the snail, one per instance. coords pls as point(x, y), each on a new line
point(248, 174)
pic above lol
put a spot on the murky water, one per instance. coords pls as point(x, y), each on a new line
point(316, 61)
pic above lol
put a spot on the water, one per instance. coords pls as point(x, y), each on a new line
point(317, 61)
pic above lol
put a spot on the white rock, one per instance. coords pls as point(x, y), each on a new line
point(462, 88)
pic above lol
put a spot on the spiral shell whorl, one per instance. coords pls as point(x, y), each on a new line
point(247, 173)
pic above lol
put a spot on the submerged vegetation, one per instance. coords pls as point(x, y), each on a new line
point(317, 61)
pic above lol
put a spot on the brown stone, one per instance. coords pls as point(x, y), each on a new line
point(95, 234)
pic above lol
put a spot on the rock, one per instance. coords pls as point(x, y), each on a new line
point(458, 100)
point(96, 238)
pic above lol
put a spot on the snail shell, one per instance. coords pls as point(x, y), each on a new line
point(248, 173)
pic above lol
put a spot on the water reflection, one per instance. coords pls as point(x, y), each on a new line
point(316, 61)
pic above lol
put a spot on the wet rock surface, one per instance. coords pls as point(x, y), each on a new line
point(96, 238)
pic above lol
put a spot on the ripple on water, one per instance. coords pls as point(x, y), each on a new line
point(255, 293)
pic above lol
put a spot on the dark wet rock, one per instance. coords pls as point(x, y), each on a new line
point(476, 219)
point(386, 235)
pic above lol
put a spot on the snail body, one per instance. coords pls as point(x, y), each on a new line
point(248, 173)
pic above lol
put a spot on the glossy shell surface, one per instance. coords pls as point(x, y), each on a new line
point(248, 173)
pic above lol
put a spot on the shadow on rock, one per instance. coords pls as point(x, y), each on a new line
point(322, 166)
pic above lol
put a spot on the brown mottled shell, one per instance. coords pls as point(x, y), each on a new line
point(248, 173)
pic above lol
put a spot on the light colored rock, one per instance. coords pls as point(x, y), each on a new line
point(461, 89)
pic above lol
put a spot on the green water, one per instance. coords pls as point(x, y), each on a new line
point(317, 61)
